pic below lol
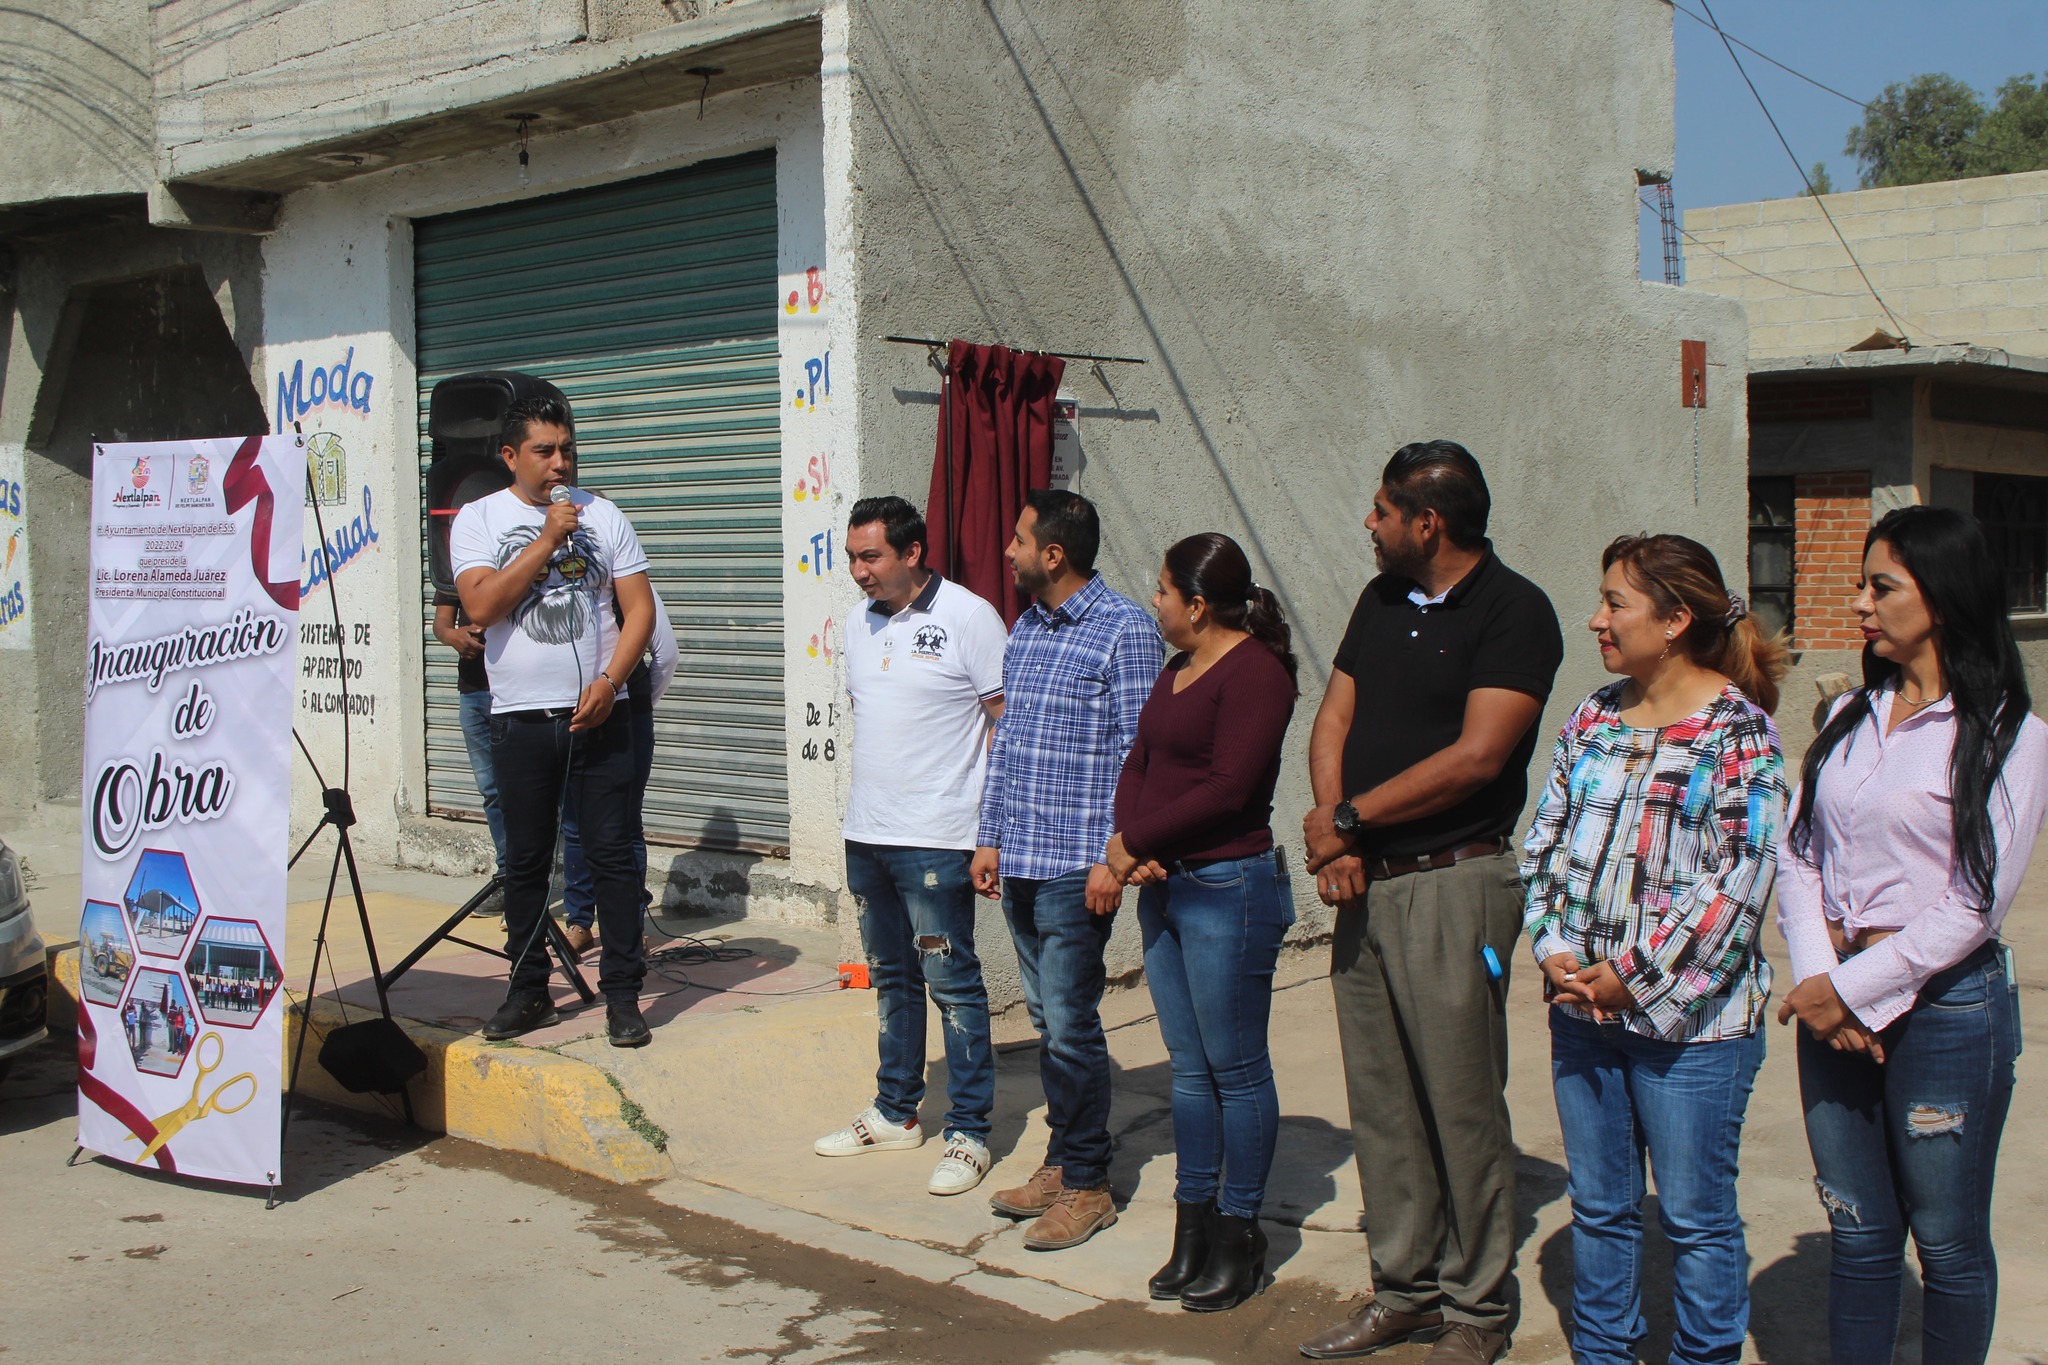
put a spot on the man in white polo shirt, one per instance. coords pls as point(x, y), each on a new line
point(558, 581)
point(924, 671)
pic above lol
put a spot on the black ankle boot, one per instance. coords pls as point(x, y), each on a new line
point(1190, 1249)
point(1236, 1267)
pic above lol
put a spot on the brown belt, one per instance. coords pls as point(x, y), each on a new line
point(1386, 869)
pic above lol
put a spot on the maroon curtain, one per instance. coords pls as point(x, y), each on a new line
point(995, 445)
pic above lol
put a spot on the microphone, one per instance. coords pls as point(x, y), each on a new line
point(560, 493)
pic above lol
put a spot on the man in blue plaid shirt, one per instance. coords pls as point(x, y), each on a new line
point(1080, 663)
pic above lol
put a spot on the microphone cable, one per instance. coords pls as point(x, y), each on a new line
point(559, 493)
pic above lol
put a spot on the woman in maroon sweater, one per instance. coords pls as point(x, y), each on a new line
point(1192, 813)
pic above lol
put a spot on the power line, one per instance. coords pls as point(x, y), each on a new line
point(1865, 105)
point(1818, 85)
point(1747, 270)
point(1819, 202)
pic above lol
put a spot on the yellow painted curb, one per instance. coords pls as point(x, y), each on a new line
point(517, 1099)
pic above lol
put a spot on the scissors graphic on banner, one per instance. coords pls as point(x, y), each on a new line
point(191, 1111)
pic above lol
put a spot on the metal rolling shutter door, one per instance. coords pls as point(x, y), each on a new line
point(651, 303)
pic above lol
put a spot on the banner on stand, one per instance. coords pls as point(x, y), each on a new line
point(192, 646)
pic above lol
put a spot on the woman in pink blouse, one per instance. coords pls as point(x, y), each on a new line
point(1917, 809)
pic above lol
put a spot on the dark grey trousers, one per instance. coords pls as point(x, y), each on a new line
point(1424, 1033)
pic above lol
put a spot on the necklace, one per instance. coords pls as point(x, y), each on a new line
point(1904, 700)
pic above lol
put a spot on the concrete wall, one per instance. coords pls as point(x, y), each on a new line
point(124, 333)
point(1962, 260)
point(1330, 232)
point(77, 118)
point(221, 72)
point(338, 278)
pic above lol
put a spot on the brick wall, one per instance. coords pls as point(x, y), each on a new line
point(1830, 516)
point(1961, 260)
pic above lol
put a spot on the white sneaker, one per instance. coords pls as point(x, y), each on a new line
point(962, 1167)
point(870, 1131)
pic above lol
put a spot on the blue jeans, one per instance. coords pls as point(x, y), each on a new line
point(579, 887)
point(476, 737)
point(917, 925)
point(1619, 1094)
point(1911, 1146)
point(1212, 935)
point(1059, 957)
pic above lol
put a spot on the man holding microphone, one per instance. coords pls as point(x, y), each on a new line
point(540, 566)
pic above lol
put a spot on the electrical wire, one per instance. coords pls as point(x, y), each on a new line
point(1818, 85)
point(1804, 179)
point(1864, 105)
point(1711, 250)
point(690, 951)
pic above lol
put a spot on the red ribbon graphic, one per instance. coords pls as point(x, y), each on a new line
point(246, 480)
point(105, 1096)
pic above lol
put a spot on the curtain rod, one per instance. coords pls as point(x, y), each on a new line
point(1063, 355)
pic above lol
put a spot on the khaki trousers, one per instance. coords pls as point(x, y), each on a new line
point(1424, 1033)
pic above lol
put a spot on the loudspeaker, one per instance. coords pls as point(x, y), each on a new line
point(465, 424)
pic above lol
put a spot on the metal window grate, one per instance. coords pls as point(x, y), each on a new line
point(2014, 511)
point(1771, 539)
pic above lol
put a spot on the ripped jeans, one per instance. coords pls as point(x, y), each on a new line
point(1910, 1146)
point(917, 924)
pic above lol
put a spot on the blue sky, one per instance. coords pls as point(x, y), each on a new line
point(1726, 151)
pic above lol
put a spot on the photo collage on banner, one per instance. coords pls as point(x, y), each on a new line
point(192, 649)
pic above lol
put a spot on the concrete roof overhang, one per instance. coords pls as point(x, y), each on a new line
point(759, 42)
point(1979, 364)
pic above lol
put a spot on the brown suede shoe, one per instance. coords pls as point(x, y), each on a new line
point(1031, 1198)
point(1370, 1329)
point(579, 938)
point(1075, 1216)
point(1464, 1344)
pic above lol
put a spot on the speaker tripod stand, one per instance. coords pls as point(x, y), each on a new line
point(564, 960)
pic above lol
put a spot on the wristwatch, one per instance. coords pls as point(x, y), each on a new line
point(1345, 818)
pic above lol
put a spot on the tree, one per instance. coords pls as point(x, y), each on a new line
point(1818, 177)
point(2014, 136)
point(1917, 131)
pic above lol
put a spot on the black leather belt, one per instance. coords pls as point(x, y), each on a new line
point(1386, 869)
point(545, 713)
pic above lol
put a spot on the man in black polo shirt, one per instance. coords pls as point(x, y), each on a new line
point(1419, 760)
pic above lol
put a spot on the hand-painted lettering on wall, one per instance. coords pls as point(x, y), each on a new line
point(337, 386)
point(13, 541)
point(819, 560)
point(344, 544)
point(813, 291)
point(828, 717)
point(815, 482)
point(821, 641)
point(817, 388)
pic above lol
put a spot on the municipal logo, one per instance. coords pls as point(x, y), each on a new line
point(197, 471)
point(138, 494)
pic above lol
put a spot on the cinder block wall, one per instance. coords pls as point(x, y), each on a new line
point(1961, 260)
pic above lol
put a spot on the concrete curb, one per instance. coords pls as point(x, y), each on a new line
point(503, 1095)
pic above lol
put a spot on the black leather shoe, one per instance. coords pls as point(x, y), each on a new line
point(521, 1014)
point(1190, 1249)
point(1235, 1270)
point(623, 1024)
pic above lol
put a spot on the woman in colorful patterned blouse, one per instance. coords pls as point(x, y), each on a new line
point(1918, 806)
point(1647, 870)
